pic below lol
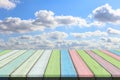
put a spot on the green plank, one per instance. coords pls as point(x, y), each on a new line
point(108, 58)
point(118, 50)
point(27, 65)
point(11, 57)
point(4, 52)
point(53, 68)
point(96, 68)
point(9, 68)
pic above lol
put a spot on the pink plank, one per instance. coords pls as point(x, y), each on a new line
point(81, 67)
point(111, 54)
point(108, 66)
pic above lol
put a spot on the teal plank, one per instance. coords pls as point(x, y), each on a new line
point(38, 69)
point(8, 54)
point(1, 50)
point(9, 68)
point(5, 61)
point(27, 65)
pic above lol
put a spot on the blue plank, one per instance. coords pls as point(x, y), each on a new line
point(67, 67)
point(115, 52)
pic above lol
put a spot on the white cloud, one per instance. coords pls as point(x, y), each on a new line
point(44, 19)
point(8, 4)
point(115, 40)
point(96, 23)
point(49, 19)
point(38, 42)
point(113, 31)
point(56, 35)
point(89, 34)
point(106, 14)
point(16, 25)
point(70, 21)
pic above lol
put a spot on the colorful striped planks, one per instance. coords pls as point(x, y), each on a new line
point(108, 58)
point(81, 68)
point(111, 54)
point(10, 58)
point(59, 63)
point(67, 67)
point(40, 66)
point(10, 67)
point(118, 50)
point(96, 68)
point(53, 67)
point(27, 65)
point(1, 50)
point(8, 54)
point(115, 72)
point(4, 52)
point(115, 52)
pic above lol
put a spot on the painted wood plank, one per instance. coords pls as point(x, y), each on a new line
point(95, 67)
point(81, 68)
point(67, 67)
point(9, 68)
point(4, 52)
point(10, 58)
point(53, 67)
point(108, 58)
point(40, 66)
point(27, 65)
point(8, 54)
point(118, 50)
point(115, 52)
point(111, 54)
point(108, 66)
point(1, 50)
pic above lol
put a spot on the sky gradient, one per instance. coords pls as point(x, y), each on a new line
point(45, 24)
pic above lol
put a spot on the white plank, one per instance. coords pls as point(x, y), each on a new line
point(8, 54)
point(10, 58)
point(27, 65)
point(40, 66)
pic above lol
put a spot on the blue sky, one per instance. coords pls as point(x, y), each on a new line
point(59, 24)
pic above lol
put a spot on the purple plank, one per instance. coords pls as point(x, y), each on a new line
point(111, 54)
point(115, 72)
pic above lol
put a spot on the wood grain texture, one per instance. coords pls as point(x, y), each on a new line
point(114, 71)
point(53, 67)
point(81, 68)
point(111, 54)
point(40, 66)
point(95, 67)
point(67, 67)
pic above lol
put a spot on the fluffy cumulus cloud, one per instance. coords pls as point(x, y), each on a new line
point(60, 40)
point(8, 4)
point(106, 14)
point(44, 19)
point(16, 25)
point(113, 31)
point(47, 20)
point(37, 43)
point(89, 34)
point(56, 35)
